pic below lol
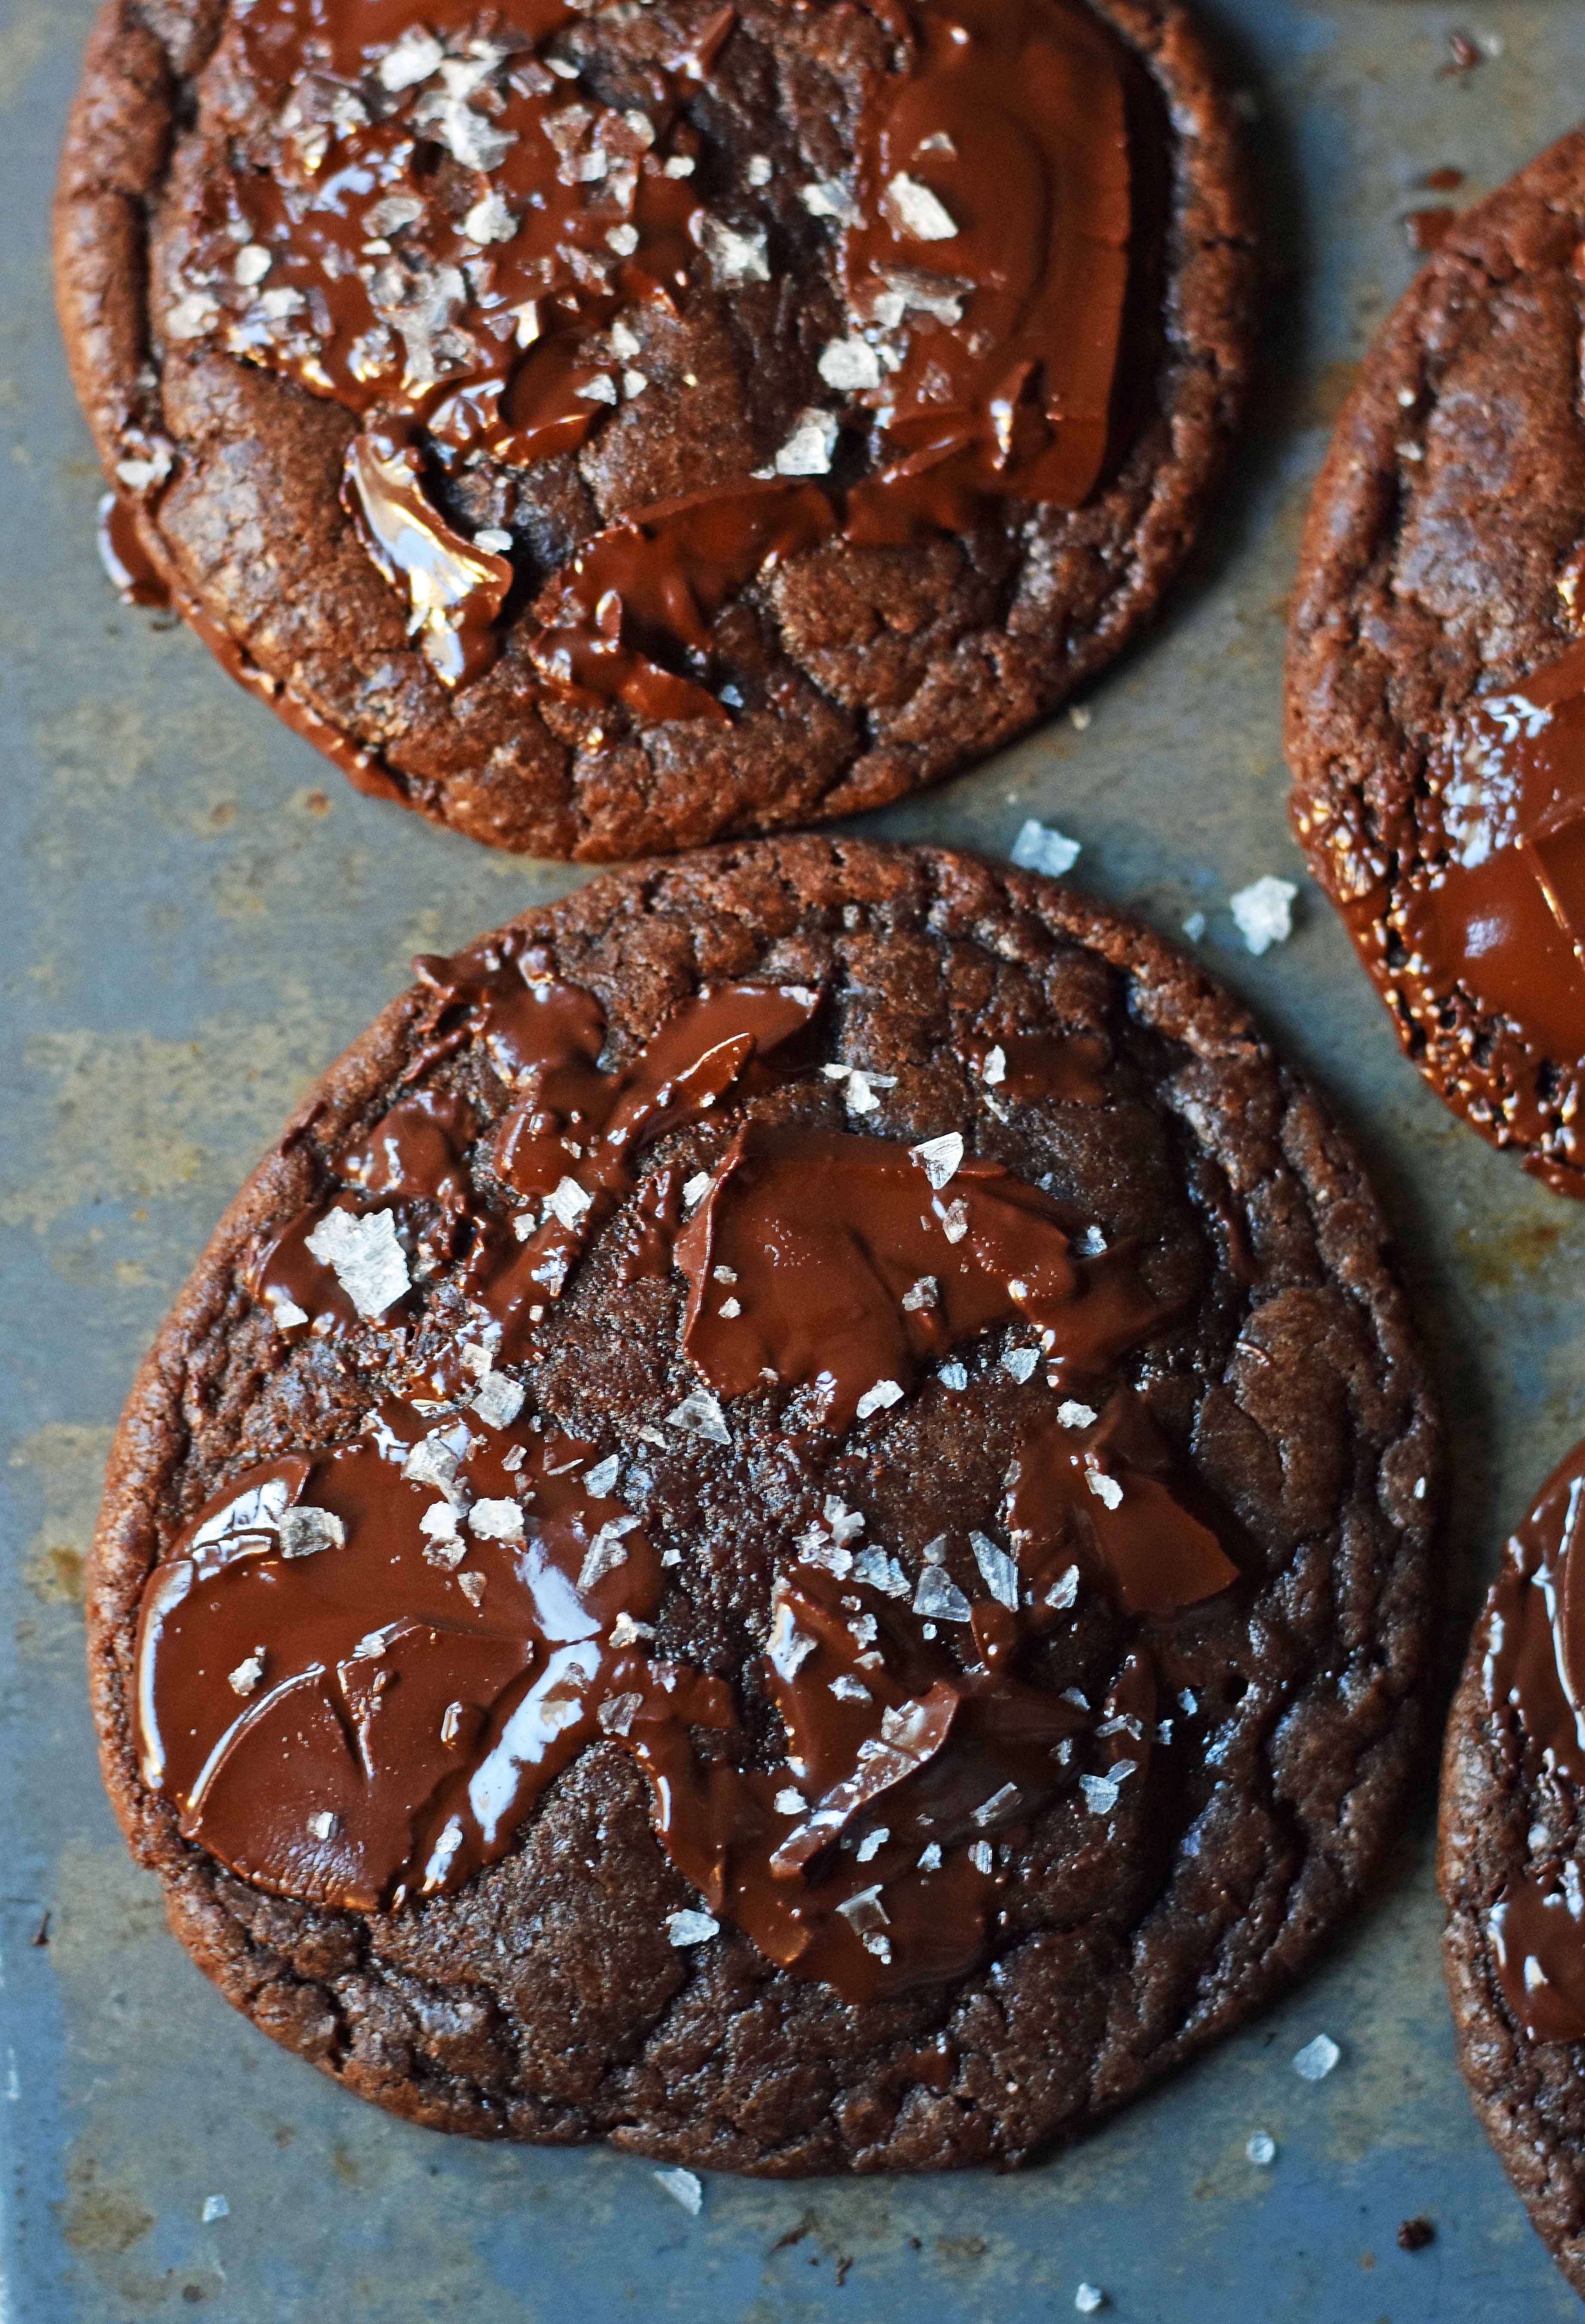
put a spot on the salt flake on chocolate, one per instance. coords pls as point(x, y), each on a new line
point(826, 198)
point(1264, 912)
point(691, 1928)
point(303, 1533)
point(849, 363)
point(699, 1415)
point(414, 57)
point(1071, 1413)
point(191, 317)
point(1000, 1573)
point(497, 1400)
point(940, 1159)
point(915, 211)
point(246, 1677)
point(1039, 848)
point(808, 450)
point(366, 1258)
point(496, 1521)
point(569, 1204)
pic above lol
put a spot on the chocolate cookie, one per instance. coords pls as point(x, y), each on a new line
point(1436, 679)
point(1512, 1831)
point(606, 428)
point(791, 1525)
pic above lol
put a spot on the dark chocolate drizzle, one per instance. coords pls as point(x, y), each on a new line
point(359, 1668)
point(437, 224)
point(1533, 1671)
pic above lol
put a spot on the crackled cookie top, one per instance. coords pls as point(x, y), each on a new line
point(816, 1432)
point(654, 380)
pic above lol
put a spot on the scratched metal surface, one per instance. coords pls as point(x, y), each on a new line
point(196, 915)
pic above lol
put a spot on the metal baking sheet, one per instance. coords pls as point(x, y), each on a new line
point(196, 914)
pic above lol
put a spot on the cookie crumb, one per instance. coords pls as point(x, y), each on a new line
point(1413, 2235)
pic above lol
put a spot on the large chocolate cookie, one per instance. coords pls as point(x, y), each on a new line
point(611, 428)
point(791, 1525)
point(1436, 681)
point(1513, 1834)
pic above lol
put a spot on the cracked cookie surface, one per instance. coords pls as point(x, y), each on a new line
point(1136, 1913)
point(826, 662)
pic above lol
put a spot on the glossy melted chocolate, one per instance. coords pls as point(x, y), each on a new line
point(1535, 1669)
point(1499, 916)
point(439, 225)
point(359, 1668)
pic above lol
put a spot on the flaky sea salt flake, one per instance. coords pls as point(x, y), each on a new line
point(1000, 1573)
point(849, 363)
point(824, 198)
point(915, 211)
point(1071, 1413)
point(683, 2188)
point(496, 1521)
point(1316, 2060)
point(735, 256)
point(412, 59)
point(1261, 2148)
point(808, 450)
point(939, 1598)
point(877, 1399)
point(302, 1533)
point(215, 2207)
point(191, 317)
point(1039, 848)
point(1021, 1362)
point(921, 1295)
point(1106, 1490)
point(1264, 912)
point(246, 1677)
point(497, 1400)
point(699, 1415)
point(490, 220)
point(569, 1203)
point(366, 1258)
point(1089, 2298)
point(688, 1928)
point(940, 1159)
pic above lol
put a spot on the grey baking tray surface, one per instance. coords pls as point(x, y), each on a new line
point(196, 914)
